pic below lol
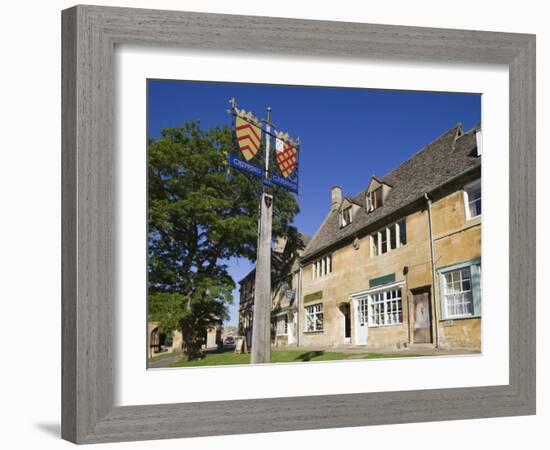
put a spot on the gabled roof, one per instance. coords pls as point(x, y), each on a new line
point(378, 180)
point(448, 156)
point(352, 200)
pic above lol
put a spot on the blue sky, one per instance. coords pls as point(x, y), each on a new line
point(347, 135)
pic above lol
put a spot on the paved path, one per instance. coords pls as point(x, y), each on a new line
point(414, 350)
point(163, 362)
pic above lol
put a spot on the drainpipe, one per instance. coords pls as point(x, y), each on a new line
point(298, 304)
point(429, 203)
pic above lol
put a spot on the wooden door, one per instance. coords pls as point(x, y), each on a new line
point(422, 317)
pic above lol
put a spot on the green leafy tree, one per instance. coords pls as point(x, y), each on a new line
point(200, 214)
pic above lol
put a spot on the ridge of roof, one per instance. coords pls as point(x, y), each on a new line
point(451, 131)
point(434, 164)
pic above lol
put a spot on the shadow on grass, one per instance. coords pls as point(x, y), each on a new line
point(308, 356)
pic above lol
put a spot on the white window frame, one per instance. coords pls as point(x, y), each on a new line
point(386, 231)
point(343, 223)
point(475, 293)
point(311, 313)
point(321, 267)
point(368, 203)
point(466, 189)
point(479, 142)
point(385, 304)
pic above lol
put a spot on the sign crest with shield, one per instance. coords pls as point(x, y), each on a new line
point(286, 157)
point(249, 132)
point(249, 137)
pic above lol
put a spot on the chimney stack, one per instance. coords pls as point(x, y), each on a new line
point(336, 198)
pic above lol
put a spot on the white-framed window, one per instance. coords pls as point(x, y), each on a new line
point(385, 307)
point(314, 317)
point(457, 295)
point(472, 199)
point(321, 267)
point(461, 290)
point(282, 325)
point(390, 238)
point(346, 216)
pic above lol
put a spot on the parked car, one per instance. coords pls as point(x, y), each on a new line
point(229, 341)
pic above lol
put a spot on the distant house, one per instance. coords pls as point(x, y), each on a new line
point(160, 343)
point(284, 296)
point(399, 264)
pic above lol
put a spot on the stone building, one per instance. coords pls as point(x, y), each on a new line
point(284, 295)
point(396, 266)
point(158, 343)
point(399, 264)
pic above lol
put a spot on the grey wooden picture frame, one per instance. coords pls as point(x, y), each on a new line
point(90, 34)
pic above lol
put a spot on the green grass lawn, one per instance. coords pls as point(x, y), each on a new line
point(226, 357)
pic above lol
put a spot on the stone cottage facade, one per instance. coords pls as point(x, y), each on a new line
point(399, 264)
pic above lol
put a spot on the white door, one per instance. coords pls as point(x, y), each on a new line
point(290, 330)
point(361, 324)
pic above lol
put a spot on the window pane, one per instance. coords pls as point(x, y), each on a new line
point(475, 208)
point(393, 237)
point(458, 294)
point(384, 238)
point(378, 197)
point(375, 244)
point(402, 232)
point(473, 194)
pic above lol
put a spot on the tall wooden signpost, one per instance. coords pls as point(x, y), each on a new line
point(249, 133)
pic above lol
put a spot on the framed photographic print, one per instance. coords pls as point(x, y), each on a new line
point(246, 201)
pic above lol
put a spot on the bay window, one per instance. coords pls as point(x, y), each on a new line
point(385, 307)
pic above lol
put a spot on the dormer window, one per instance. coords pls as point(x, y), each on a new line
point(375, 199)
point(376, 194)
point(346, 216)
